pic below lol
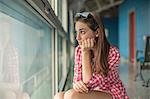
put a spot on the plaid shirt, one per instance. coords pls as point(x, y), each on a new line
point(110, 84)
point(10, 64)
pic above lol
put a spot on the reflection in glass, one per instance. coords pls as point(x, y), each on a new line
point(25, 54)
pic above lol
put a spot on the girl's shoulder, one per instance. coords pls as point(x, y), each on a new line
point(113, 50)
point(113, 57)
point(114, 53)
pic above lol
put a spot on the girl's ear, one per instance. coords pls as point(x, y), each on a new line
point(96, 35)
point(97, 32)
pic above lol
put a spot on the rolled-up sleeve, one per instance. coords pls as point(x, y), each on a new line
point(99, 80)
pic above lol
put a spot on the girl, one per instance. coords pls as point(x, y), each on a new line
point(96, 70)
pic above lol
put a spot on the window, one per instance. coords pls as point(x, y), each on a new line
point(62, 66)
point(25, 49)
point(60, 58)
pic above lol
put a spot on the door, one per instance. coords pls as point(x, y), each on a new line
point(132, 37)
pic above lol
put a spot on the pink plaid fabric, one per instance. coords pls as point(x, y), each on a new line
point(11, 66)
point(110, 84)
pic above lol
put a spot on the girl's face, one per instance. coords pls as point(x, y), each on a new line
point(83, 32)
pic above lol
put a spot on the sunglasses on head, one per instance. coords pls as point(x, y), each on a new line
point(83, 14)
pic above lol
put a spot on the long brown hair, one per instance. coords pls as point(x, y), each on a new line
point(95, 23)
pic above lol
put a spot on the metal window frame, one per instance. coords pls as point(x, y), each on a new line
point(45, 10)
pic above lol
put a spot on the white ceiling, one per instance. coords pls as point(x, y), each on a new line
point(107, 8)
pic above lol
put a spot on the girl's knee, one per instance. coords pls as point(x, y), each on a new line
point(70, 94)
point(59, 95)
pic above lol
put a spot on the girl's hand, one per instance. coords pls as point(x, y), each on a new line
point(80, 87)
point(88, 44)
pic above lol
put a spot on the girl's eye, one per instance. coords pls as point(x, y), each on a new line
point(82, 32)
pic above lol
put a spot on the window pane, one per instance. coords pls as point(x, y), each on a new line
point(25, 51)
point(60, 60)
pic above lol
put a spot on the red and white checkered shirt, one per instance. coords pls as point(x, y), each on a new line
point(110, 84)
point(11, 66)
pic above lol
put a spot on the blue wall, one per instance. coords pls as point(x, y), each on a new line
point(142, 20)
point(112, 25)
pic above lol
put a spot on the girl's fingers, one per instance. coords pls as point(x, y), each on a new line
point(75, 87)
point(80, 87)
point(86, 43)
point(89, 43)
point(92, 42)
point(84, 86)
point(83, 45)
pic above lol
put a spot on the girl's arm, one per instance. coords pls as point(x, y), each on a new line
point(78, 84)
point(87, 45)
point(86, 66)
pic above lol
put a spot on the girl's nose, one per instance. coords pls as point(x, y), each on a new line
point(78, 37)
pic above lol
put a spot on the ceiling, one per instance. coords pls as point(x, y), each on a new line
point(107, 8)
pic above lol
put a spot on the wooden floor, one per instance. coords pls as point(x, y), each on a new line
point(134, 88)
